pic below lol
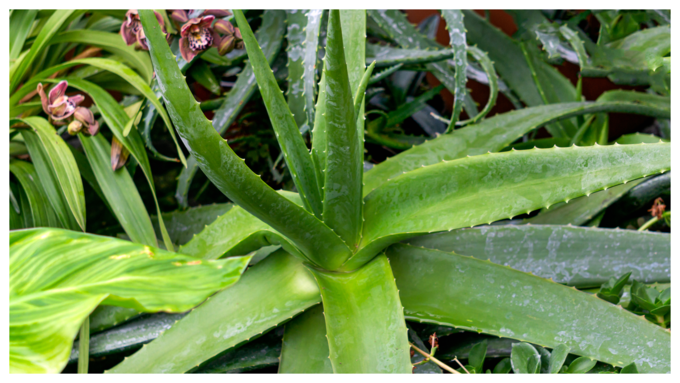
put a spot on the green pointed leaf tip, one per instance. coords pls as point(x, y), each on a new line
point(57, 277)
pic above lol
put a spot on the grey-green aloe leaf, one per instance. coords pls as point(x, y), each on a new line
point(305, 344)
point(576, 256)
point(436, 287)
point(57, 277)
point(456, 28)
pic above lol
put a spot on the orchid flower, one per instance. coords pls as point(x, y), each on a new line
point(58, 105)
point(197, 36)
point(132, 31)
point(83, 118)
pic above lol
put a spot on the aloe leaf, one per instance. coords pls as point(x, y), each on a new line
point(237, 232)
point(456, 28)
point(344, 158)
point(384, 74)
point(474, 190)
point(385, 55)
point(281, 287)
point(354, 42)
point(269, 36)
point(361, 90)
point(435, 287)
point(319, 137)
point(492, 78)
point(364, 319)
point(46, 312)
point(223, 166)
point(56, 166)
point(296, 36)
point(640, 195)
point(639, 138)
point(115, 118)
point(105, 317)
point(200, 71)
point(111, 42)
point(120, 191)
point(20, 23)
point(259, 353)
point(309, 60)
point(51, 27)
point(495, 133)
point(292, 144)
point(583, 209)
point(305, 345)
point(576, 256)
point(182, 225)
point(41, 211)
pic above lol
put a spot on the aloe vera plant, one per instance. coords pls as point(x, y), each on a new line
point(341, 266)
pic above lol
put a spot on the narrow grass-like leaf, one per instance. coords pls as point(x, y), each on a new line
point(201, 72)
point(344, 158)
point(456, 28)
point(435, 287)
point(305, 345)
point(120, 191)
point(223, 166)
point(57, 277)
point(41, 211)
point(364, 319)
point(55, 165)
point(20, 23)
point(576, 256)
point(281, 287)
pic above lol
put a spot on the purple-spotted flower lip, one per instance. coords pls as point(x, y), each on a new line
point(58, 105)
point(197, 36)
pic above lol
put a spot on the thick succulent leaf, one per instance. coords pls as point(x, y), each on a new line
point(56, 166)
point(120, 191)
point(259, 353)
point(492, 79)
point(486, 188)
point(182, 225)
point(305, 345)
point(222, 166)
point(582, 209)
point(20, 24)
point(41, 210)
point(200, 71)
point(312, 30)
point(495, 133)
point(292, 144)
point(576, 256)
point(344, 157)
point(385, 55)
point(237, 232)
point(104, 317)
point(354, 42)
point(364, 320)
point(297, 21)
point(270, 37)
point(319, 138)
point(456, 28)
point(638, 138)
point(271, 292)
point(476, 295)
point(110, 42)
point(640, 195)
point(57, 277)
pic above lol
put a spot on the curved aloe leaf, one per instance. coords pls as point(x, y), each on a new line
point(200, 71)
point(492, 78)
point(309, 85)
point(120, 191)
point(261, 352)
point(287, 133)
point(271, 292)
point(57, 167)
point(104, 317)
point(641, 195)
point(305, 345)
point(486, 188)
point(57, 277)
point(364, 320)
point(41, 211)
point(456, 28)
point(269, 36)
point(576, 256)
point(182, 225)
point(476, 295)
point(354, 43)
point(385, 55)
point(495, 133)
point(297, 21)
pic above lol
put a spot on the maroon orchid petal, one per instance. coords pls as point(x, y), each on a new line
point(179, 15)
point(62, 110)
point(43, 97)
point(217, 12)
point(127, 34)
point(184, 31)
point(185, 51)
point(141, 40)
point(77, 99)
point(58, 91)
point(206, 21)
point(159, 18)
point(93, 129)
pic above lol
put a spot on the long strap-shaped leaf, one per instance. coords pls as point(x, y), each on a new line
point(482, 189)
point(385, 55)
point(297, 21)
point(499, 131)
point(344, 155)
point(57, 167)
point(576, 256)
point(269, 293)
point(354, 43)
point(364, 320)
point(57, 277)
point(292, 144)
point(20, 24)
point(42, 212)
point(120, 191)
point(305, 345)
point(226, 170)
point(476, 295)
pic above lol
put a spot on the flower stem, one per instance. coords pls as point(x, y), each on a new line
point(440, 364)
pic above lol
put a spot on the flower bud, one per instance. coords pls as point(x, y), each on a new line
point(119, 154)
point(74, 127)
point(86, 118)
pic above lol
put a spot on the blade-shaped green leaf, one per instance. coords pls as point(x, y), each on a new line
point(120, 191)
point(259, 353)
point(482, 189)
point(223, 167)
point(269, 293)
point(200, 71)
point(182, 225)
point(305, 345)
point(435, 287)
point(364, 320)
point(41, 211)
point(354, 43)
point(55, 164)
point(385, 55)
point(296, 35)
point(492, 78)
point(456, 28)
point(344, 157)
point(576, 256)
point(57, 277)
point(295, 151)
point(525, 359)
point(20, 23)
point(309, 60)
